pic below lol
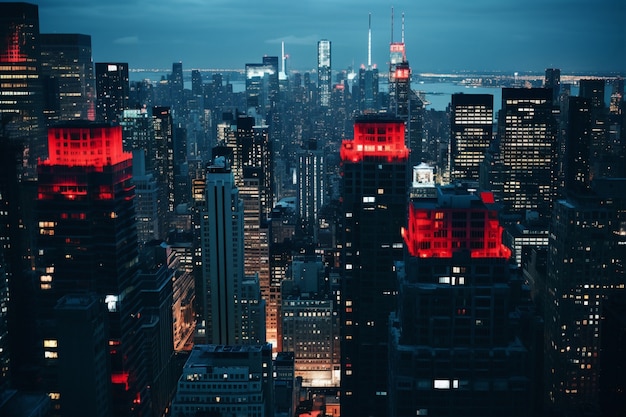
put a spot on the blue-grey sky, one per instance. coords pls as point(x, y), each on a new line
point(440, 35)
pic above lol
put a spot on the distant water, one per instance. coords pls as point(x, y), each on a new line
point(439, 95)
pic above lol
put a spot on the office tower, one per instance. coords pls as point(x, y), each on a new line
point(310, 323)
point(146, 200)
point(177, 87)
point(398, 61)
point(226, 380)
point(577, 163)
point(222, 256)
point(262, 85)
point(87, 241)
point(585, 274)
point(601, 164)
point(454, 346)
point(324, 75)
point(373, 212)
point(164, 159)
point(471, 128)
point(155, 283)
point(197, 87)
point(83, 355)
point(252, 312)
point(67, 69)
point(527, 151)
point(21, 106)
point(311, 186)
point(112, 90)
point(368, 80)
point(552, 80)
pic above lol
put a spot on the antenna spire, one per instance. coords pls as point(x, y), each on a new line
point(402, 27)
point(391, 24)
point(369, 42)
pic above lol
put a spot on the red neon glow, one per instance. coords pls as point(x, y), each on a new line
point(432, 233)
point(13, 53)
point(120, 378)
point(402, 73)
point(376, 139)
point(94, 146)
point(487, 197)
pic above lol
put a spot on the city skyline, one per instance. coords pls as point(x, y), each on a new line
point(449, 35)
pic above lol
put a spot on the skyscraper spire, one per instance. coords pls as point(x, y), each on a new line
point(391, 24)
point(402, 27)
point(369, 43)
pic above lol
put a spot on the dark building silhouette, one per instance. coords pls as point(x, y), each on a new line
point(552, 80)
point(87, 242)
point(112, 90)
point(585, 276)
point(454, 344)
point(373, 212)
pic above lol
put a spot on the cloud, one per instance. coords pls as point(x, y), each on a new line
point(296, 40)
point(127, 40)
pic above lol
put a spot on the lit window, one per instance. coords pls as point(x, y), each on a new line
point(50, 343)
point(441, 384)
point(50, 355)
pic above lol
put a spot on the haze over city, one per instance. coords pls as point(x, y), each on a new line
point(448, 35)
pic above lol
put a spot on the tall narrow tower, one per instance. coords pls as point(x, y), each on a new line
point(222, 253)
point(112, 90)
point(368, 79)
point(373, 213)
point(324, 77)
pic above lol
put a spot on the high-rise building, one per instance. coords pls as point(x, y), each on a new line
point(311, 185)
point(577, 164)
point(527, 150)
point(324, 74)
point(164, 160)
point(471, 127)
point(177, 89)
point(87, 241)
point(262, 85)
point(67, 71)
point(368, 80)
point(454, 348)
point(373, 212)
point(112, 90)
point(21, 107)
point(222, 256)
point(553, 80)
point(226, 380)
point(585, 274)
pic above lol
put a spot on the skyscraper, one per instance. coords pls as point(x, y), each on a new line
point(324, 75)
point(373, 212)
point(368, 80)
point(454, 348)
point(22, 99)
point(222, 256)
point(553, 80)
point(471, 134)
point(67, 69)
point(585, 273)
point(311, 185)
point(112, 90)
point(87, 241)
point(528, 150)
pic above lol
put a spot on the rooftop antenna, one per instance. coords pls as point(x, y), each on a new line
point(283, 57)
point(402, 27)
point(369, 42)
point(391, 24)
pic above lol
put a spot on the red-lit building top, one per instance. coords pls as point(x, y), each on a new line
point(452, 223)
point(376, 137)
point(87, 144)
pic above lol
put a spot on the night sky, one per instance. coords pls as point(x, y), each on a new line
point(441, 35)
